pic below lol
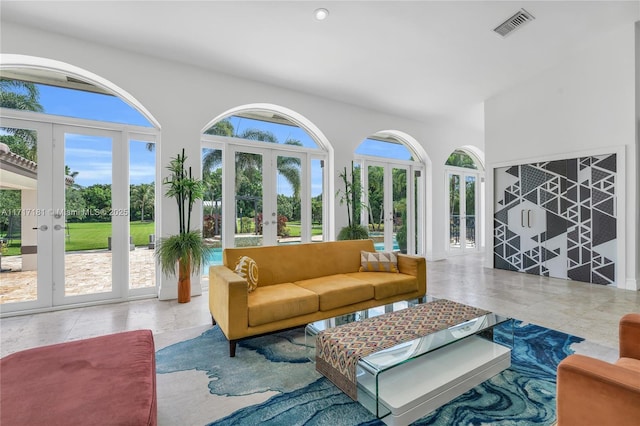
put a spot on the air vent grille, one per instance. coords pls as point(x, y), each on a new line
point(513, 23)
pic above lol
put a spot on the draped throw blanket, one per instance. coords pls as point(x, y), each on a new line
point(339, 349)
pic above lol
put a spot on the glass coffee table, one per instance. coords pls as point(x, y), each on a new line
point(405, 382)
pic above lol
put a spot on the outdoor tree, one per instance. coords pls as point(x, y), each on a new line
point(249, 165)
point(376, 196)
point(23, 96)
point(142, 195)
point(316, 209)
point(98, 201)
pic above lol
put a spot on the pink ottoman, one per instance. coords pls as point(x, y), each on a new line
point(103, 380)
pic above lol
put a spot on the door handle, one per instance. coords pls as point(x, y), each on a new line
point(529, 218)
point(522, 218)
point(57, 227)
point(42, 227)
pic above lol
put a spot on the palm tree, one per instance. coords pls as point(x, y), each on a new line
point(289, 167)
point(221, 128)
point(23, 96)
point(143, 195)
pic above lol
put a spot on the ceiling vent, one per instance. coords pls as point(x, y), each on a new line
point(513, 23)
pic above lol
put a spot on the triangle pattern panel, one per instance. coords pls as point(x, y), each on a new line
point(531, 178)
point(579, 197)
point(608, 163)
point(514, 171)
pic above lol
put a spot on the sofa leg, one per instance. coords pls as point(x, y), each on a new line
point(213, 320)
point(232, 348)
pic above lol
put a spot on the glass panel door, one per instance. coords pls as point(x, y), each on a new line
point(470, 211)
point(90, 228)
point(376, 204)
point(25, 216)
point(388, 199)
point(212, 204)
point(462, 205)
point(400, 218)
point(317, 208)
point(249, 223)
point(142, 231)
point(454, 211)
point(270, 195)
point(289, 187)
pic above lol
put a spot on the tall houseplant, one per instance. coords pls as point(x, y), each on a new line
point(351, 196)
point(185, 251)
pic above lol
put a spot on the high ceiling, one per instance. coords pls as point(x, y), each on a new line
point(410, 58)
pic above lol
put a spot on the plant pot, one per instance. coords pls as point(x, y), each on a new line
point(184, 281)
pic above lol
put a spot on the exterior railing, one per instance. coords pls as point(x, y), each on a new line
point(454, 229)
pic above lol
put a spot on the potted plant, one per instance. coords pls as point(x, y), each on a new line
point(353, 231)
point(187, 250)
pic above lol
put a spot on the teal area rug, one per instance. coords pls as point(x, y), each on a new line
point(272, 382)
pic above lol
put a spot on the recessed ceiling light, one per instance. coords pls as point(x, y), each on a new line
point(321, 14)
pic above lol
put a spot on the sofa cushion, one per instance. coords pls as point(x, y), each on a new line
point(338, 290)
point(276, 302)
point(289, 263)
point(629, 364)
point(247, 268)
point(387, 284)
point(378, 262)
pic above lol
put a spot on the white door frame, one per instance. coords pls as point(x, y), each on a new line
point(50, 199)
point(463, 173)
point(413, 225)
point(119, 222)
point(269, 153)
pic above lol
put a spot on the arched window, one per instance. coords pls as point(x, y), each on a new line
point(265, 170)
point(68, 210)
point(465, 198)
point(393, 181)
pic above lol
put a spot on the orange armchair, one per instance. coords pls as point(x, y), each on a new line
point(594, 392)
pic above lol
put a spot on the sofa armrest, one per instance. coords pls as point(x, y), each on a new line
point(592, 391)
point(630, 336)
point(416, 266)
point(228, 301)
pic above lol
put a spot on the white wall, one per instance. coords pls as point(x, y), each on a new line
point(183, 99)
point(585, 103)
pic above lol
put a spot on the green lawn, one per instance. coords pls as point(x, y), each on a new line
point(294, 229)
point(95, 235)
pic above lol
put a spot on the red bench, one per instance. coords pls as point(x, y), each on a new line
point(103, 380)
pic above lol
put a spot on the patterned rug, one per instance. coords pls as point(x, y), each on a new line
point(271, 382)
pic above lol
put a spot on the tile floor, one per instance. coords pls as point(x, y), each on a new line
point(585, 310)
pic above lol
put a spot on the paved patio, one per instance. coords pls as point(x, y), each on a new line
point(85, 273)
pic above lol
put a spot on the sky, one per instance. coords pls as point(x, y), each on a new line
point(91, 156)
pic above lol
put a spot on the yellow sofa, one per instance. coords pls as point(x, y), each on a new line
point(594, 392)
point(302, 283)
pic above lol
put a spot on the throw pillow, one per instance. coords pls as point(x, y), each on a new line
point(247, 268)
point(378, 262)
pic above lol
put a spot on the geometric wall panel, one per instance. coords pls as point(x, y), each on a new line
point(573, 231)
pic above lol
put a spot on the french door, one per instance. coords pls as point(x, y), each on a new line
point(462, 206)
point(266, 192)
point(393, 199)
point(66, 221)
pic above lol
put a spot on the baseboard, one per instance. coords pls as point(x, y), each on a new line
point(631, 284)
